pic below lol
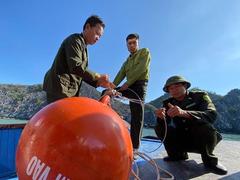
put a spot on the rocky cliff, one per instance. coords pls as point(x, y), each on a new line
point(22, 102)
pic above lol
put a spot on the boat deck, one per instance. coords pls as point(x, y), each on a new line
point(227, 151)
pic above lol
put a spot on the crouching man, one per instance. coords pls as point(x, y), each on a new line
point(189, 117)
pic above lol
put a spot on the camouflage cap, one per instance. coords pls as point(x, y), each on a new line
point(174, 80)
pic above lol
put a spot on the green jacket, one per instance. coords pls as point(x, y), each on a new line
point(198, 105)
point(135, 68)
point(69, 68)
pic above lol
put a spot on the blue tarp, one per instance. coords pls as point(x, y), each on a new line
point(8, 145)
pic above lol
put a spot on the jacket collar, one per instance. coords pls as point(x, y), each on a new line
point(83, 40)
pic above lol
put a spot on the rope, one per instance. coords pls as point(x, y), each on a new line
point(136, 175)
point(139, 101)
point(147, 158)
point(157, 167)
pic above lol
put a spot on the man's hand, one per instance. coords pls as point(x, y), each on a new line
point(103, 81)
point(111, 92)
point(174, 111)
point(123, 87)
point(108, 92)
point(161, 113)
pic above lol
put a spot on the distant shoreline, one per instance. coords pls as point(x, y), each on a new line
point(149, 131)
point(1, 117)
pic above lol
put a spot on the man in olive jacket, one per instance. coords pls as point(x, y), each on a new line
point(189, 117)
point(70, 65)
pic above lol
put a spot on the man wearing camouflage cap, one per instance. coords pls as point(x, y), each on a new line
point(189, 117)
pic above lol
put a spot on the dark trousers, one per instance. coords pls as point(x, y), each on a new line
point(140, 88)
point(200, 139)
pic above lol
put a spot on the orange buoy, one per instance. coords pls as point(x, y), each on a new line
point(75, 138)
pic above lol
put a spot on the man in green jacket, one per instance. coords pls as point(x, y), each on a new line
point(189, 117)
point(136, 71)
point(70, 65)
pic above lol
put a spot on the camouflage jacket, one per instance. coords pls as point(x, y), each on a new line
point(198, 105)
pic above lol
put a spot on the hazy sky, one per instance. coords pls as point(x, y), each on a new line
point(197, 39)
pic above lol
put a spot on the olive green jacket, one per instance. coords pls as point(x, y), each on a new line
point(69, 68)
point(135, 68)
point(198, 105)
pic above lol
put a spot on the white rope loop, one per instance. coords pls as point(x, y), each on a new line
point(118, 95)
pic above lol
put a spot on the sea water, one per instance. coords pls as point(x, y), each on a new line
point(231, 137)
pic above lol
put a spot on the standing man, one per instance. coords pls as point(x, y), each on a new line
point(136, 70)
point(70, 65)
point(189, 117)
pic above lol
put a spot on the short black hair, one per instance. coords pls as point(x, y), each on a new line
point(93, 21)
point(131, 36)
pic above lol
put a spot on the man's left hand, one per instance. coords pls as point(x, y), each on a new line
point(174, 111)
point(103, 81)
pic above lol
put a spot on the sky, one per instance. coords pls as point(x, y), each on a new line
point(198, 39)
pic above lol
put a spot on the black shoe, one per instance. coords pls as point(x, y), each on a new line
point(217, 169)
point(177, 158)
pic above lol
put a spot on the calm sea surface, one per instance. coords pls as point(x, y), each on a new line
point(146, 131)
point(233, 137)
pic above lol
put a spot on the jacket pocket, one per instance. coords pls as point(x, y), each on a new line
point(69, 87)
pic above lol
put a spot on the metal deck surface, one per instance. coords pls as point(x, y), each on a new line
point(227, 151)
